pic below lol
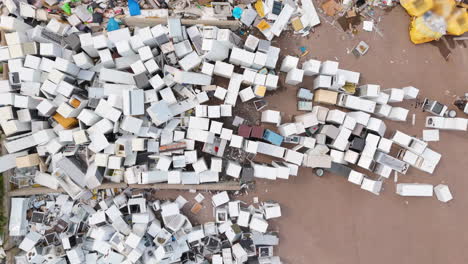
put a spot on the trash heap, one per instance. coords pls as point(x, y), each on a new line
point(136, 107)
point(352, 144)
point(271, 17)
point(354, 16)
point(462, 103)
point(130, 227)
point(433, 19)
point(156, 105)
point(148, 107)
point(443, 118)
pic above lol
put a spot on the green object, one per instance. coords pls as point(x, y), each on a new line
point(66, 8)
point(1, 68)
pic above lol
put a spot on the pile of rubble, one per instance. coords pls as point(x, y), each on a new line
point(156, 105)
point(354, 16)
point(142, 104)
point(444, 118)
point(128, 118)
point(337, 139)
point(270, 17)
point(132, 227)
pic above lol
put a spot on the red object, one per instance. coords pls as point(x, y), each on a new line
point(257, 132)
point(244, 131)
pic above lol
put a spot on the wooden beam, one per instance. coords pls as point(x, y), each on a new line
point(222, 186)
point(149, 22)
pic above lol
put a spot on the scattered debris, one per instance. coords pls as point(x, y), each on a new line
point(128, 227)
point(447, 123)
point(451, 113)
point(199, 198)
point(414, 189)
point(443, 193)
point(434, 107)
point(462, 104)
point(331, 7)
point(361, 49)
point(430, 135)
point(368, 25)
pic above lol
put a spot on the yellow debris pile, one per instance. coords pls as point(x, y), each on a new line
point(434, 18)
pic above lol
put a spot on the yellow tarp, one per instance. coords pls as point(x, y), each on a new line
point(417, 7)
point(443, 8)
point(421, 33)
point(457, 23)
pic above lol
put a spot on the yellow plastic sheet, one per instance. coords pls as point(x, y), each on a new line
point(417, 7)
point(443, 8)
point(456, 19)
point(260, 9)
point(421, 33)
point(457, 23)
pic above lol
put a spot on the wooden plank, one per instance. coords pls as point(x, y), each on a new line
point(223, 186)
point(33, 191)
point(6, 203)
point(149, 22)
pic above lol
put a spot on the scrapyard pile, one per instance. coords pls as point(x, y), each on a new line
point(129, 110)
point(339, 139)
point(136, 228)
point(271, 17)
point(142, 117)
point(156, 105)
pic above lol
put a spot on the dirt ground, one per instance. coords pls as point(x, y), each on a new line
point(329, 220)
